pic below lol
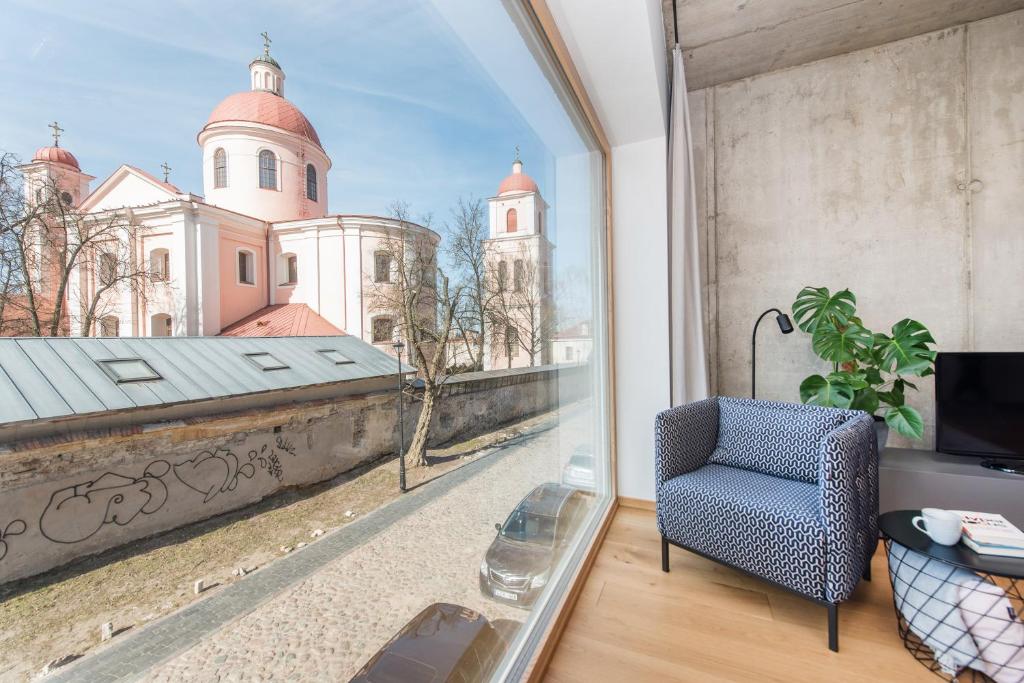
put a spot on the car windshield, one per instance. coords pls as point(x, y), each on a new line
point(523, 525)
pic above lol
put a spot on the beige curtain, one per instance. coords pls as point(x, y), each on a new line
point(688, 361)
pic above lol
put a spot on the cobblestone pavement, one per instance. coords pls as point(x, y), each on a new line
point(326, 625)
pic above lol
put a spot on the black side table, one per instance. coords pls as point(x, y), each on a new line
point(1005, 572)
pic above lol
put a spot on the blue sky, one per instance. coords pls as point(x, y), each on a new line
point(402, 107)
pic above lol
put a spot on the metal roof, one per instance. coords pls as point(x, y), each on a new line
point(45, 378)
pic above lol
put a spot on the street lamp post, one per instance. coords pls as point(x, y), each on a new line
point(398, 346)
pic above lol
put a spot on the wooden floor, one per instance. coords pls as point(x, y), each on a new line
point(705, 622)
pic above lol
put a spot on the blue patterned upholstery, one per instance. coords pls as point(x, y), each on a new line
point(787, 492)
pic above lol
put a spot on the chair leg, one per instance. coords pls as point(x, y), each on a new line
point(664, 554)
point(867, 570)
point(833, 626)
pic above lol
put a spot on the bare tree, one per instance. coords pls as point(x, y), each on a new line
point(53, 254)
point(519, 307)
point(417, 297)
point(465, 250)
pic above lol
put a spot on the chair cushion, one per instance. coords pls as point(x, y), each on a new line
point(766, 525)
point(780, 439)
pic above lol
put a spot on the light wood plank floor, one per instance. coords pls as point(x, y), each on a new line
point(705, 622)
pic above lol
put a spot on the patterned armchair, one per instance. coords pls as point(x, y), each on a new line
point(785, 492)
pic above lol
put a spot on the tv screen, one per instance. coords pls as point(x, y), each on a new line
point(979, 404)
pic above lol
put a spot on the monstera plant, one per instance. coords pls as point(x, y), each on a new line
point(869, 369)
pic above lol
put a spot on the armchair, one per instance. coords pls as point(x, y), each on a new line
point(785, 492)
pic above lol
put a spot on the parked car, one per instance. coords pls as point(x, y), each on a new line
point(579, 471)
point(529, 544)
point(443, 643)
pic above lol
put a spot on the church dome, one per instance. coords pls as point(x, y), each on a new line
point(257, 106)
point(57, 155)
point(517, 181)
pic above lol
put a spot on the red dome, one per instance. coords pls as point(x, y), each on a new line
point(57, 155)
point(266, 108)
point(517, 182)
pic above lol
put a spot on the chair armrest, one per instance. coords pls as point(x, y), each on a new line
point(848, 479)
point(684, 438)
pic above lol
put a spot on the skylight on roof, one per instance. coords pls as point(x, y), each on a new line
point(266, 361)
point(124, 370)
point(335, 356)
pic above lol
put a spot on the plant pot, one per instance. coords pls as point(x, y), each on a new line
point(881, 431)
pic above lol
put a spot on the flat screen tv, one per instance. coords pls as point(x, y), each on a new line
point(979, 405)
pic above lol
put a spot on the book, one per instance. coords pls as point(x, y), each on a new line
point(987, 549)
point(990, 529)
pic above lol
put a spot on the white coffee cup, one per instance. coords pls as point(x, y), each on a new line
point(942, 526)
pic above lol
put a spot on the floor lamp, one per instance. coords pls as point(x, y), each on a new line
point(785, 326)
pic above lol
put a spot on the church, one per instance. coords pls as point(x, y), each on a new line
point(257, 254)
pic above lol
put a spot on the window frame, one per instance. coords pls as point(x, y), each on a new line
point(273, 169)
point(512, 220)
point(284, 262)
point(312, 183)
point(220, 172)
point(238, 267)
point(389, 337)
point(377, 254)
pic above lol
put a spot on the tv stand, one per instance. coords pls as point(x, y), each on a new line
point(913, 479)
point(1011, 467)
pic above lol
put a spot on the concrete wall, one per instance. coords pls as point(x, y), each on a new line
point(856, 171)
point(79, 497)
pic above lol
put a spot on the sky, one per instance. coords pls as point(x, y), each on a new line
point(403, 109)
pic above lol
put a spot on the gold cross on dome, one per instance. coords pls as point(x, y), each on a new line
point(266, 43)
point(517, 154)
point(167, 170)
point(57, 130)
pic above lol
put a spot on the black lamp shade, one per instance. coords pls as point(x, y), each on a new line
point(784, 324)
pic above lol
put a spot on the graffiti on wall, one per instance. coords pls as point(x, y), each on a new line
point(14, 528)
point(77, 512)
point(213, 472)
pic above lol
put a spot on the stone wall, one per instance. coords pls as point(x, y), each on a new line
point(894, 171)
point(80, 496)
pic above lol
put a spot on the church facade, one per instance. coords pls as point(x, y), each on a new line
point(258, 254)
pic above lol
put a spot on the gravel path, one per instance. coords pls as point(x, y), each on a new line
point(328, 625)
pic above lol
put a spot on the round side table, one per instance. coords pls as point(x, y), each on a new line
point(930, 604)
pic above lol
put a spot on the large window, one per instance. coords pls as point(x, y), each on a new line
point(161, 325)
point(382, 266)
point(160, 264)
point(108, 268)
point(268, 170)
point(311, 182)
point(289, 269)
point(246, 267)
point(511, 220)
point(220, 168)
point(382, 327)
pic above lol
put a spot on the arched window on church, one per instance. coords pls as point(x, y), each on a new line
point(268, 170)
point(310, 182)
point(511, 221)
point(161, 325)
point(502, 275)
point(220, 168)
point(518, 275)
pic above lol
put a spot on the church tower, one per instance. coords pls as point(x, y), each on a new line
point(517, 257)
point(55, 169)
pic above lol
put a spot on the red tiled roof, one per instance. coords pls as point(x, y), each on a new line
point(263, 107)
point(282, 320)
point(57, 155)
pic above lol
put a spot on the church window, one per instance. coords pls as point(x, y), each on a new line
point(66, 198)
point(382, 328)
point(512, 341)
point(502, 275)
point(246, 267)
point(382, 267)
point(268, 170)
point(220, 168)
point(290, 268)
point(160, 264)
point(310, 182)
point(511, 221)
point(110, 326)
point(160, 325)
point(107, 269)
point(518, 275)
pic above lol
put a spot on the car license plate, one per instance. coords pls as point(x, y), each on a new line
point(505, 594)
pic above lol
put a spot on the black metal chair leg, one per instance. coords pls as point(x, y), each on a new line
point(867, 571)
point(664, 554)
point(833, 627)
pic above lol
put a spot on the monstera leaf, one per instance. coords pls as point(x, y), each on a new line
point(832, 391)
point(814, 305)
point(906, 352)
point(906, 421)
point(841, 344)
point(865, 399)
